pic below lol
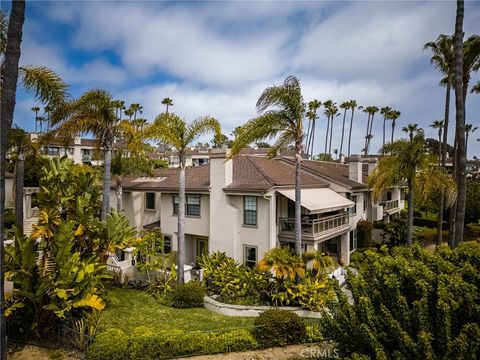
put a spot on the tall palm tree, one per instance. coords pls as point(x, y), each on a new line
point(47, 87)
point(35, 109)
point(333, 113)
point(394, 115)
point(328, 106)
point(281, 110)
point(372, 110)
point(311, 114)
point(174, 131)
point(476, 88)
point(467, 59)
point(386, 112)
point(136, 108)
point(345, 106)
point(438, 124)
point(93, 112)
point(468, 129)
point(129, 112)
point(352, 106)
point(167, 102)
point(409, 160)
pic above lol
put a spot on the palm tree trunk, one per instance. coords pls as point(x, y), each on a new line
point(350, 132)
point(331, 132)
point(442, 194)
point(393, 130)
point(460, 95)
point(119, 196)
point(307, 139)
point(326, 135)
point(313, 137)
point(410, 213)
point(298, 198)
point(19, 178)
point(181, 222)
point(453, 208)
point(7, 106)
point(370, 134)
point(343, 130)
point(366, 136)
point(384, 119)
point(106, 182)
point(466, 143)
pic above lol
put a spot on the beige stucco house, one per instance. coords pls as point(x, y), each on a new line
point(245, 206)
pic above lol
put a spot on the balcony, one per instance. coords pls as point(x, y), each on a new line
point(391, 206)
point(316, 229)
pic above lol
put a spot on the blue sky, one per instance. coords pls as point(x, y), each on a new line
point(215, 58)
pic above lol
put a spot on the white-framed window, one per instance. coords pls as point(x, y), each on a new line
point(353, 210)
point(150, 201)
point(250, 255)
point(353, 240)
point(192, 205)
point(53, 151)
point(250, 210)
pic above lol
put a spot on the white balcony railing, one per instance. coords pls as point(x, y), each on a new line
point(390, 205)
point(316, 227)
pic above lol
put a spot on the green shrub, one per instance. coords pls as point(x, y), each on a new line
point(279, 328)
point(189, 295)
point(364, 233)
point(356, 257)
point(168, 344)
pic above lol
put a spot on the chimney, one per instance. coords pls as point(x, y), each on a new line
point(221, 169)
point(372, 164)
point(355, 168)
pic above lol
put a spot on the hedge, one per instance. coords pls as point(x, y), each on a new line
point(279, 328)
point(114, 344)
point(431, 224)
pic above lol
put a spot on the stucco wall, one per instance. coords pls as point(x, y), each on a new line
point(134, 207)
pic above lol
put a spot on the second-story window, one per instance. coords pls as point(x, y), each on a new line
point(353, 210)
point(53, 151)
point(150, 201)
point(250, 210)
point(192, 205)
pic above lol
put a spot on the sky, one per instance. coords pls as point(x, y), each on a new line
point(215, 58)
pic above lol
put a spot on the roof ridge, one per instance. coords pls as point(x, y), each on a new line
point(269, 179)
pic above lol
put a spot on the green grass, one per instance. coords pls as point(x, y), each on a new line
point(130, 309)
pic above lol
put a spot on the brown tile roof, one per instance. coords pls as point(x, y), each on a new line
point(332, 171)
point(260, 173)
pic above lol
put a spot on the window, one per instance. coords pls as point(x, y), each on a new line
point(365, 202)
point(150, 201)
point(70, 151)
point(353, 240)
point(353, 210)
point(250, 210)
point(250, 256)
point(86, 152)
point(167, 244)
point(192, 205)
point(53, 151)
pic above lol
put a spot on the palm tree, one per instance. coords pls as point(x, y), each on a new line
point(409, 160)
point(328, 106)
point(438, 124)
point(345, 106)
point(411, 129)
point(321, 262)
point(333, 113)
point(372, 110)
point(175, 132)
point(136, 108)
point(35, 109)
point(313, 106)
point(467, 59)
point(48, 88)
point(168, 102)
point(385, 111)
point(468, 129)
point(352, 105)
point(394, 115)
point(129, 112)
point(476, 88)
point(283, 263)
point(282, 121)
point(92, 112)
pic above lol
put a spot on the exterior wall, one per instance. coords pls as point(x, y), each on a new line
point(134, 207)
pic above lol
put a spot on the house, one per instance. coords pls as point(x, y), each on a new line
point(245, 206)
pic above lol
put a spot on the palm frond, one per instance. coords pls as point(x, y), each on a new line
point(201, 126)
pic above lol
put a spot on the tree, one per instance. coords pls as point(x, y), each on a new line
point(345, 106)
point(261, 144)
point(468, 129)
point(21, 145)
point(462, 75)
point(281, 110)
point(409, 160)
point(47, 87)
point(472, 206)
point(324, 157)
point(92, 112)
point(394, 115)
point(174, 131)
point(167, 102)
point(223, 142)
point(371, 110)
point(409, 303)
point(438, 124)
point(411, 129)
point(136, 108)
point(386, 111)
point(284, 263)
point(333, 112)
point(352, 106)
point(35, 109)
point(311, 114)
point(328, 108)
point(476, 88)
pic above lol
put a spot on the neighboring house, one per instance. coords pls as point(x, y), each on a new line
point(245, 206)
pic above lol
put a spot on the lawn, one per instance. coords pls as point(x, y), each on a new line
point(133, 308)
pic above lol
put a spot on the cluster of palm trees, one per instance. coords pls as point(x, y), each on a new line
point(332, 111)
